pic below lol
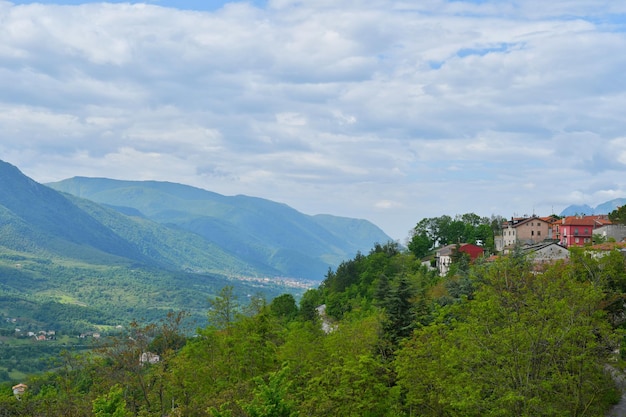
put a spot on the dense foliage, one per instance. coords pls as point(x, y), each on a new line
point(446, 230)
point(73, 298)
point(505, 338)
point(618, 216)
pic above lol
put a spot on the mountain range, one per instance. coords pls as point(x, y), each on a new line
point(88, 253)
point(174, 226)
point(269, 238)
point(604, 208)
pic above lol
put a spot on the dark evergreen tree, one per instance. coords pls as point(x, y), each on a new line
point(399, 311)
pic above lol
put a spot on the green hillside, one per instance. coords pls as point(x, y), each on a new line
point(261, 232)
point(71, 264)
point(382, 336)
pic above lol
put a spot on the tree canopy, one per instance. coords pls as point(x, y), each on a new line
point(502, 338)
point(431, 232)
point(618, 215)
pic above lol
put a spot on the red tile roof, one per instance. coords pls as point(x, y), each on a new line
point(594, 221)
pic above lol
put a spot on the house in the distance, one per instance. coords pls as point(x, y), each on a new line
point(546, 252)
point(616, 232)
point(445, 255)
point(19, 389)
point(578, 230)
point(149, 357)
point(525, 231)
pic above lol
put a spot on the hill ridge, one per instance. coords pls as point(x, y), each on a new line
point(259, 230)
point(603, 208)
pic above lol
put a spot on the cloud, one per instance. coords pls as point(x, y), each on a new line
point(390, 111)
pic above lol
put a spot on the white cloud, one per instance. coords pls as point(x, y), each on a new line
point(390, 111)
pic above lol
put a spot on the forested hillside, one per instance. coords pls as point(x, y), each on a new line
point(499, 338)
point(69, 266)
point(273, 237)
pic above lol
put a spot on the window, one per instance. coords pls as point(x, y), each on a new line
point(538, 232)
point(532, 233)
point(576, 231)
point(577, 240)
point(586, 231)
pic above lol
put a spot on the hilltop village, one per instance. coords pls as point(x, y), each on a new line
point(545, 239)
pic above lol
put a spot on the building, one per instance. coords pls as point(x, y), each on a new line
point(19, 389)
point(546, 252)
point(578, 230)
point(445, 255)
point(525, 231)
point(149, 357)
point(616, 232)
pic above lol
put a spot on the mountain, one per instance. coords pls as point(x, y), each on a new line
point(609, 206)
point(74, 265)
point(263, 233)
point(143, 249)
point(577, 209)
point(604, 208)
point(38, 220)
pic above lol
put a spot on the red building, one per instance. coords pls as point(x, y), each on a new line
point(472, 250)
point(444, 255)
point(577, 230)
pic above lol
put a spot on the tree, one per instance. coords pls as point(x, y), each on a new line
point(346, 378)
point(111, 404)
point(400, 317)
point(308, 304)
point(618, 215)
point(284, 306)
point(528, 345)
point(597, 238)
point(444, 230)
point(270, 398)
point(224, 308)
point(420, 244)
point(169, 335)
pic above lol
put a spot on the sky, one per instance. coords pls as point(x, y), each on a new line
point(390, 111)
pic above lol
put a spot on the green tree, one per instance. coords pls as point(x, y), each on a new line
point(308, 304)
point(111, 404)
point(270, 398)
point(597, 238)
point(618, 215)
point(420, 244)
point(224, 308)
point(528, 345)
point(169, 336)
point(347, 377)
point(398, 307)
point(284, 306)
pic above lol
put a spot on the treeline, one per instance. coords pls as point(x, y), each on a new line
point(75, 297)
point(445, 230)
point(504, 338)
point(32, 358)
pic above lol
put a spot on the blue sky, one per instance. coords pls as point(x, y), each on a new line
point(388, 110)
